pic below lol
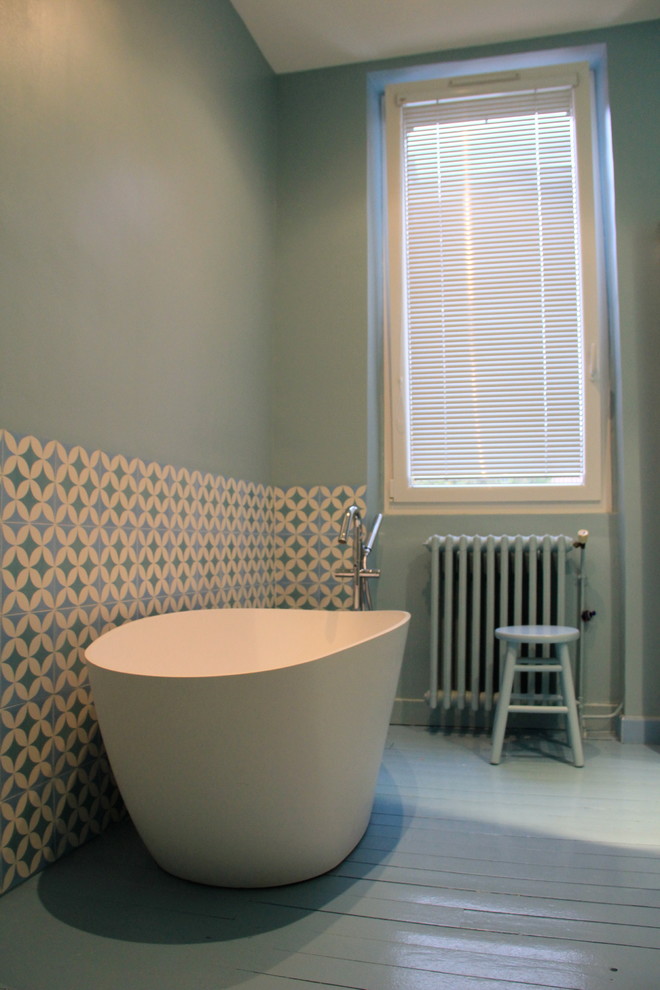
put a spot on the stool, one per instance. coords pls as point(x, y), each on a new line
point(515, 637)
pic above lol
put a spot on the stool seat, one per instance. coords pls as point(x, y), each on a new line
point(538, 634)
point(543, 635)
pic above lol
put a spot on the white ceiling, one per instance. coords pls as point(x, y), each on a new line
point(310, 34)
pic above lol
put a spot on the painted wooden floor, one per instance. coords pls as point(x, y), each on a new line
point(527, 875)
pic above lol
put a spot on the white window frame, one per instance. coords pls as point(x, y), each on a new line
point(400, 495)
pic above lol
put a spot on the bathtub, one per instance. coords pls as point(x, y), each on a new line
point(246, 742)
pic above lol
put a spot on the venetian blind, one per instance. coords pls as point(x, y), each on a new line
point(493, 339)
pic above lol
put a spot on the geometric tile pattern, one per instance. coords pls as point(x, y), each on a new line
point(89, 541)
point(307, 553)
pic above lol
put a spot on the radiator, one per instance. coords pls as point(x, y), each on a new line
point(477, 584)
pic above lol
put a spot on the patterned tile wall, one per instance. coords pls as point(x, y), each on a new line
point(307, 522)
point(89, 541)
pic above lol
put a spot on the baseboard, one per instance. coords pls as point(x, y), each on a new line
point(639, 729)
point(410, 711)
point(597, 724)
point(416, 711)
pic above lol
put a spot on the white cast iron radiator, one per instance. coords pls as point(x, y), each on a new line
point(477, 584)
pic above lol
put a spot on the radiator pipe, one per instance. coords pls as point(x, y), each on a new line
point(584, 615)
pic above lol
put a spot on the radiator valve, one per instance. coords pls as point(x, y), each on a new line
point(581, 540)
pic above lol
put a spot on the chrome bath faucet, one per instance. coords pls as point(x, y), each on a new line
point(359, 573)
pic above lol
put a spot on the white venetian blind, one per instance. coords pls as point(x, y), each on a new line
point(493, 338)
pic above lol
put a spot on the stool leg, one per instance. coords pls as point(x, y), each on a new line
point(568, 690)
point(503, 702)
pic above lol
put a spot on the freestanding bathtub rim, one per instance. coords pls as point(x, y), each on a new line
point(151, 646)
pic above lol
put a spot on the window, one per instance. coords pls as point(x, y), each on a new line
point(493, 371)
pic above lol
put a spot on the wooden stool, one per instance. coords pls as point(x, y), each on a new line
point(559, 637)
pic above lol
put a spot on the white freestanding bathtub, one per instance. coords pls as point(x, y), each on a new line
point(246, 742)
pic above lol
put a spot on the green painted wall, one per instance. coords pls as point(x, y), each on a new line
point(326, 418)
point(319, 355)
point(137, 196)
point(634, 74)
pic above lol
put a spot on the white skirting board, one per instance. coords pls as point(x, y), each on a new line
point(599, 721)
point(639, 729)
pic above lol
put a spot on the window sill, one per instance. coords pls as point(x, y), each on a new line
point(495, 506)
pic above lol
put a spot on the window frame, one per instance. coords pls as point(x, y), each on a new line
point(593, 494)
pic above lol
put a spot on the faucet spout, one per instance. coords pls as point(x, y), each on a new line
point(351, 517)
